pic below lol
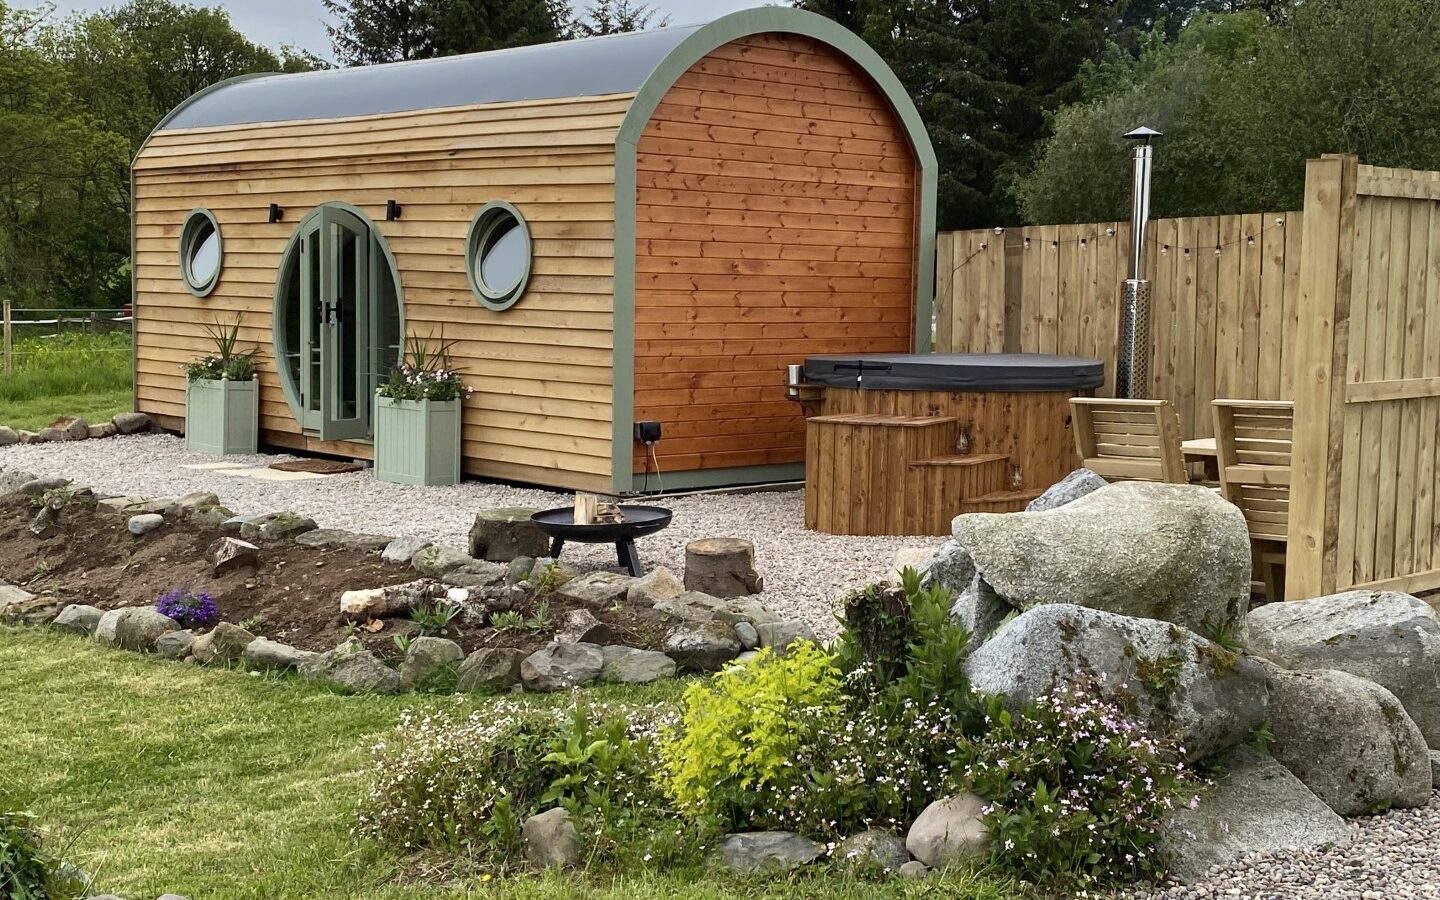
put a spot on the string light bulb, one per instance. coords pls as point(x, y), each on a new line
point(1217, 249)
point(1251, 240)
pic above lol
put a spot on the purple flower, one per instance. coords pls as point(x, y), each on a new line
point(190, 609)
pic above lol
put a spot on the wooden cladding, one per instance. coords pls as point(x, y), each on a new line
point(542, 370)
point(1223, 322)
point(776, 218)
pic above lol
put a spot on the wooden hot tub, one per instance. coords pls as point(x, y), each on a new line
point(903, 443)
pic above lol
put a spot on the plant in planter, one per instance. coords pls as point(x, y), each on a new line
point(222, 399)
point(417, 417)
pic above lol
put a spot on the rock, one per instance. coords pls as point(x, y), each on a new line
point(337, 539)
point(490, 668)
point(426, 656)
point(276, 526)
point(196, 500)
point(1178, 553)
point(233, 524)
point(1179, 684)
point(131, 422)
point(1067, 490)
point(691, 606)
point(144, 524)
point(722, 567)
point(134, 628)
point(597, 590)
point(209, 516)
point(160, 507)
point(1389, 638)
point(174, 645)
point(917, 558)
point(1255, 806)
point(267, 654)
point(1435, 768)
point(8, 436)
point(749, 637)
point(393, 600)
point(37, 486)
point(981, 610)
point(626, 665)
point(29, 437)
point(28, 609)
point(401, 549)
point(12, 480)
point(873, 849)
point(560, 667)
point(353, 670)
point(173, 897)
point(485, 574)
point(106, 430)
point(747, 657)
point(767, 851)
point(47, 521)
point(913, 869)
point(550, 841)
point(1349, 741)
point(518, 569)
point(702, 646)
point(501, 535)
point(581, 627)
point(436, 560)
point(76, 619)
point(655, 586)
point(948, 832)
point(778, 636)
point(67, 428)
point(228, 554)
point(224, 643)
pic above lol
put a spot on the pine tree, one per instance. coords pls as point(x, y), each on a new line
point(376, 31)
point(616, 17)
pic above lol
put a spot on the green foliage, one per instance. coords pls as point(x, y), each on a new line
point(426, 373)
point(227, 363)
point(433, 620)
point(615, 17)
point(546, 576)
point(27, 870)
point(1244, 100)
point(1079, 790)
point(515, 620)
point(378, 31)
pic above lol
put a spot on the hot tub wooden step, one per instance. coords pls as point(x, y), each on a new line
point(968, 460)
point(999, 502)
point(944, 483)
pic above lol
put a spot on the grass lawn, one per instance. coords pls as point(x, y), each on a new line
point(220, 785)
point(80, 374)
point(95, 407)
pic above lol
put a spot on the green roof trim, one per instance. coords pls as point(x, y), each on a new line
point(690, 51)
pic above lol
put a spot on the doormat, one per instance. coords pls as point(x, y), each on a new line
point(317, 466)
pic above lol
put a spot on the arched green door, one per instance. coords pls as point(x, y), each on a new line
point(335, 321)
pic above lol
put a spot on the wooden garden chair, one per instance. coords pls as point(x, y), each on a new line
point(1252, 442)
point(1129, 440)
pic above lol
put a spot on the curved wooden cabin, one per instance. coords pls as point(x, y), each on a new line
point(701, 207)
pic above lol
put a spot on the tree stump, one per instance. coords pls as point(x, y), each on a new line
point(722, 567)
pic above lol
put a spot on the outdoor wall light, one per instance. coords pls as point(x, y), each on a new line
point(392, 210)
point(276, 213)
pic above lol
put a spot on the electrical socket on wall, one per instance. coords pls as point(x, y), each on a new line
point(647, 433)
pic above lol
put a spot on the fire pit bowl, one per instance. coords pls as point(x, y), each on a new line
point(559, 524)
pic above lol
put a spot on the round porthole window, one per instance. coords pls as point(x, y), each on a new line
point(497, 256)
point(200, 252)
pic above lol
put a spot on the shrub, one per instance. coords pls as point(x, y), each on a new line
point(426, 373)
point(27, 870)
point(1078, 789)
point(190, 609)
point(226, 363)
point(442, 784)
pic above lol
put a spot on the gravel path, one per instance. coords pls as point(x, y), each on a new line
point(806, 573)
point(1396, 855)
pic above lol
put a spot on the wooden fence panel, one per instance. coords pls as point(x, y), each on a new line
point(1224, 300)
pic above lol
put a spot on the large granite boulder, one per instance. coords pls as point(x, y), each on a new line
point(1255, 805)
point(490, 669)
point(560, 667)
point(1389, 638)
point(1181, 685)
point(767, 851)
point(550, 841)
point(1067, 490)
point(949, 832)
point(501, 535)
point(78, 619)
point(1172, 552)
point(1348, 740)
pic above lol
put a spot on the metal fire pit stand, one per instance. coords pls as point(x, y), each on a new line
point(639, 521)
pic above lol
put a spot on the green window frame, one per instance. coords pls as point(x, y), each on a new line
point(200, 224)
point(495, 221)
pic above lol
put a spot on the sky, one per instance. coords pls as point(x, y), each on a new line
point(301, 22)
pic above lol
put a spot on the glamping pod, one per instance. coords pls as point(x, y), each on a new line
point(640, 228)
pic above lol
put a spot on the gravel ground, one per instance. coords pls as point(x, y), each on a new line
point(1396, 855)
point(806, 573)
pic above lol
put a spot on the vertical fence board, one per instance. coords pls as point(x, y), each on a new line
point(945, 306)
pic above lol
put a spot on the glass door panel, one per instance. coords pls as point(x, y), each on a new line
point(345, 328)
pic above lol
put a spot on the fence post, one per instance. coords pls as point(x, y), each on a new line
point(9, 345)
point(1322, 345)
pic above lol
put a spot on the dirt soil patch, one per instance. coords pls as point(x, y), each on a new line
point(294, 591)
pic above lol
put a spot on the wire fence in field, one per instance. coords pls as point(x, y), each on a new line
point(54, 338)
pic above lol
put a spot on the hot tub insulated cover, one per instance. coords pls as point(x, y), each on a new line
point(977, 372)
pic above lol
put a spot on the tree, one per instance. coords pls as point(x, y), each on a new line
point(985, 75)
point(378, 31)
point(615, 17)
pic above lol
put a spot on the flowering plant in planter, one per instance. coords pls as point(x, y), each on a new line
point(226, 363)
point(425, 373)
point(222, 397)
point(190, 609)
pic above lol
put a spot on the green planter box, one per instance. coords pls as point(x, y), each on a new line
point(222, 416)
point(417, 441)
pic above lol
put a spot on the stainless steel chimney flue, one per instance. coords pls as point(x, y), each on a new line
point(1132, 377)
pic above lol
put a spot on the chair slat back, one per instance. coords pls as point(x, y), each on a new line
point(1129, 440)
point(1252, 443)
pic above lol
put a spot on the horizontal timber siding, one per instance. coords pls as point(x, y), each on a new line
point(542, 370)
point(776, 217)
